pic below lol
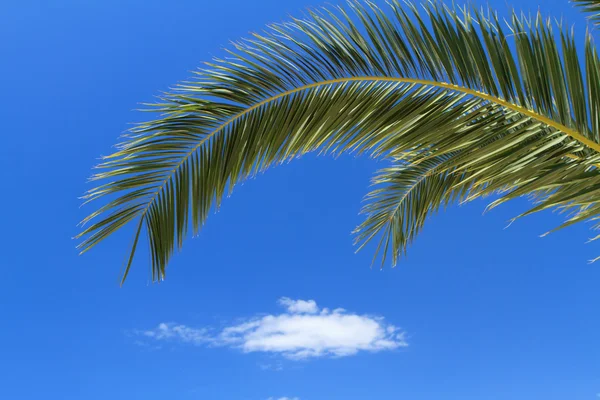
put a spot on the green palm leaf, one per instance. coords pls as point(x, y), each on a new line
point(592, 7)
point(406, 195)
point(442, 93)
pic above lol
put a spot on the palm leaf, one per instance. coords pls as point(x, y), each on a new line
point(441, 93)
point(406, 195)
point(592, 7)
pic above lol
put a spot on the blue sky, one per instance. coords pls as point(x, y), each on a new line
point(475, 312)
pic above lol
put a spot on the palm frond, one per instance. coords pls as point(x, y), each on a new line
point(436, 87)
point(592, 7)
point(406, 195)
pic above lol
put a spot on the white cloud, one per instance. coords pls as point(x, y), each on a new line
point(302, 332)
point(299, 306)
point(278, 366)
point(284, 398)
point(170, 331)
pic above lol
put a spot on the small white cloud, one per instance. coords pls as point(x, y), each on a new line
point(278, 366)
point(182, 333)
point(283, 398)
point(304, 331)
point(299, 306)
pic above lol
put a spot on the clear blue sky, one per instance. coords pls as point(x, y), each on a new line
point(487, 312)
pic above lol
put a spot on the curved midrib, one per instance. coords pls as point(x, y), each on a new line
point(405, 195)
point(548, 121)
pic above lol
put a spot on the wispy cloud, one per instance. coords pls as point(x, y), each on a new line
point(303, 331)
point(166, 331)
point(277, 366)
point(283, 398)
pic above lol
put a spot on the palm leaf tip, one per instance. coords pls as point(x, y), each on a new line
point(462, 113)
point(590, 6)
